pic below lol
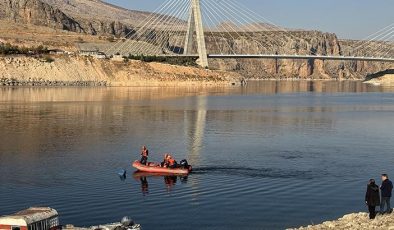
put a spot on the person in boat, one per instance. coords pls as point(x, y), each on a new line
point(144, 155)
point(164, 163)
point(171, 162)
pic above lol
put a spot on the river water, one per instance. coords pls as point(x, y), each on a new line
point(267, 156)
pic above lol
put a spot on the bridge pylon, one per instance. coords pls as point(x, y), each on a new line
point(195, 25)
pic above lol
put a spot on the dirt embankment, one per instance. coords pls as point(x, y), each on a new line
point(356, 221)
point(385, 78)
point(75, 70)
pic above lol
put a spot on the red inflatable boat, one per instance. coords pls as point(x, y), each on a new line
point(155, 168)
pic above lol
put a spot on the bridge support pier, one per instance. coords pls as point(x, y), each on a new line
point(195, 25)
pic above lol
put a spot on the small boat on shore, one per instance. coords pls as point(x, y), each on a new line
point(156, 168)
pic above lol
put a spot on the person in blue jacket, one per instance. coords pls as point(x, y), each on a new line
point(386, 189)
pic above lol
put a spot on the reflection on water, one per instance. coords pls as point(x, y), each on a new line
point(144, 185)
point(169, 180)
point(311, 144)
point(86, 108)
point(195, 128)
point(151, 93)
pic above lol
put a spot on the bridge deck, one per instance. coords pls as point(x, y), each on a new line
point(304, 57)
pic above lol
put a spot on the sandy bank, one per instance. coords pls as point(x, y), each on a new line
point(63, 69)
point(386, 80)
point(356, 221)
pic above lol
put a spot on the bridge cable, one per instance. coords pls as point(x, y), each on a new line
point(150, 17)
point(214, 16)
point(210, 29)
point(150, 30)
point(240, 23)
point(166, 31)
point(378, 46)
point(134, 39)
point(376, 36)
point(372, 37)
point(148, 25)
point(275, 27)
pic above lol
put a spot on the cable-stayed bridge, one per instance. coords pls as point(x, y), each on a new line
point(224, 29)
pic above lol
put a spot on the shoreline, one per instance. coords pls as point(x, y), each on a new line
point(83, 71)
point(354, 221)
point(12, 82)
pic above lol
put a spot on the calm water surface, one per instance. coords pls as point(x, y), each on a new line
point(267, 156)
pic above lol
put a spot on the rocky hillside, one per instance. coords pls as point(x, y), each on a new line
point(2, 9)
point(95, 17)
point(39, 13)
point(21, 70)
point(292, 42)
point(83, 16)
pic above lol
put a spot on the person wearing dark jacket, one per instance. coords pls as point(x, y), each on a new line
point(372, 198)
point(386, 189)
point(144, 155)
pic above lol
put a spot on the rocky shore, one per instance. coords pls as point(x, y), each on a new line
point(355, 221)
point(113, 226)
point(42, 82)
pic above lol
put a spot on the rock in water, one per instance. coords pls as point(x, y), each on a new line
point(127, 221)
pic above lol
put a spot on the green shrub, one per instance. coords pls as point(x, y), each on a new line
point(48, 59)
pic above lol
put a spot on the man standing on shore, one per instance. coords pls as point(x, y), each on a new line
point(386, 189)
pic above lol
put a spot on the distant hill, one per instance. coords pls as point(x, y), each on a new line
point(96, 17)
point(251, 27)
point(260, 26)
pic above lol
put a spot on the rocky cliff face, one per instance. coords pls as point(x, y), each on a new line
point(295, 42)
point(39, 13)
point(93, 17)
point(281, 43)
point(51, 13)
point(287, 42)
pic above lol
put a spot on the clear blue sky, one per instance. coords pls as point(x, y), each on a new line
point(347, 18)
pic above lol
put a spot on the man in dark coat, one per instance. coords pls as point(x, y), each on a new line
point(144, 155)
point(386, 189)
point(372, 198)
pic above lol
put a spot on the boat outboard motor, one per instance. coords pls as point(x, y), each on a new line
point(184, 164)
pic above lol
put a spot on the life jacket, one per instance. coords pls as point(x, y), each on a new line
point(171, 162)
point(145, 153)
